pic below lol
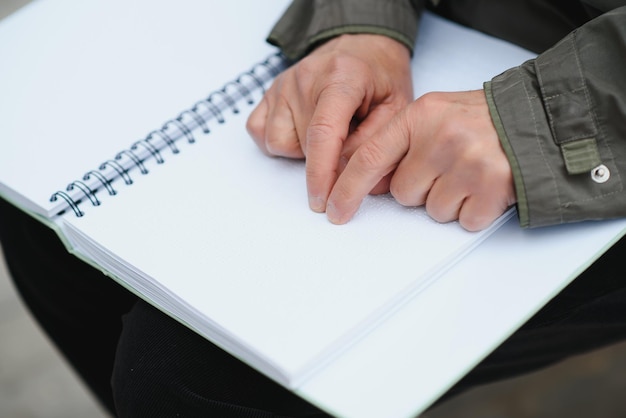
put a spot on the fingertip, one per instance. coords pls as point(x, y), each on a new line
point(317, 204)
point(335, 215)
point(325, 135)
point(321, 175)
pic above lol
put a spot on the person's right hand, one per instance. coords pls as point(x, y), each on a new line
point(444, 153)
point(323, 107)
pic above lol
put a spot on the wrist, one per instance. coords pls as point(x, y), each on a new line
point(307, 23)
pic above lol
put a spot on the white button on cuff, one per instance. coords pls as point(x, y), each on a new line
point(600, 174)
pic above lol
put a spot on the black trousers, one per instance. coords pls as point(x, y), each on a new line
point(139, 362)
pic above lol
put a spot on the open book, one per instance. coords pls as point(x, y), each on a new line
point(123, 127)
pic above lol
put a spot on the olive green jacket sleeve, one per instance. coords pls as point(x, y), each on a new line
point(561, 119)
point(306, 23)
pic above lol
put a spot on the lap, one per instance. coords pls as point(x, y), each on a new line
point(77, 306)
point(162, 366)
point(158, 363)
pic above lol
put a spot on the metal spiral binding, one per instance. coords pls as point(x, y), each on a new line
point(151, 149)
point(181, 126)
point(73, 204)
point(193, 112)
point(119, 168)
point(135, 159)
point(198, 116)
point(105, 182)
point(215, 111)
point(165, 137)
point(91, 194)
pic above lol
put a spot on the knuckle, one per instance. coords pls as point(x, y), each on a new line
point(480, 171)
point(451, 132)
point(428, 101)
point(480, 211)
point(405, 200)
point(255, 127)
point(342, 66)
point(304, 74)
point(436, 212)
point(401, 194)
point(473, 221)
point(328, 69)
point(276, 143)
point(319, 132)
point(284, 143)
point(370, 155)
point(437, 216)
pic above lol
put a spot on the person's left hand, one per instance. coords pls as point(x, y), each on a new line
point(446, 155)
point(324, 106)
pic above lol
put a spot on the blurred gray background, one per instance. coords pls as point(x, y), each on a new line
point(36, 382)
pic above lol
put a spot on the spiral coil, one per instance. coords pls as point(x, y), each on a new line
point(131, 160)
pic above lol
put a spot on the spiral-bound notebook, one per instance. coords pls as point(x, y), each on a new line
point(123, 127)
point(131, 141)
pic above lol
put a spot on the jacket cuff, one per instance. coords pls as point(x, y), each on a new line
point(544, 189)
point(546, 115)
point(307, 23)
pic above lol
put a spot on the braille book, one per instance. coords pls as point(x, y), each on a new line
point(123, 128)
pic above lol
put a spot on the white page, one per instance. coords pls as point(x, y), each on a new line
point(228, 231)
point(235, 225)
point(80, 81)
point(412, 359)
point(451, 57)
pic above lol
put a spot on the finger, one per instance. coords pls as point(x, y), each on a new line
point(369, 164)
point(364, 130)
point(257, 122)
point(325, 136)
point(413, 179)
point(281, 135)
point(381, 187)
point(478, 212)
point(445, 199)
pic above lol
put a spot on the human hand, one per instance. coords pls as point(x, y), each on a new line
point(446, 155)
point(323, 107)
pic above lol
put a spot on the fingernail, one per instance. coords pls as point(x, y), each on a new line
point(317, 204)
point(343, 162)
point(331, 213)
